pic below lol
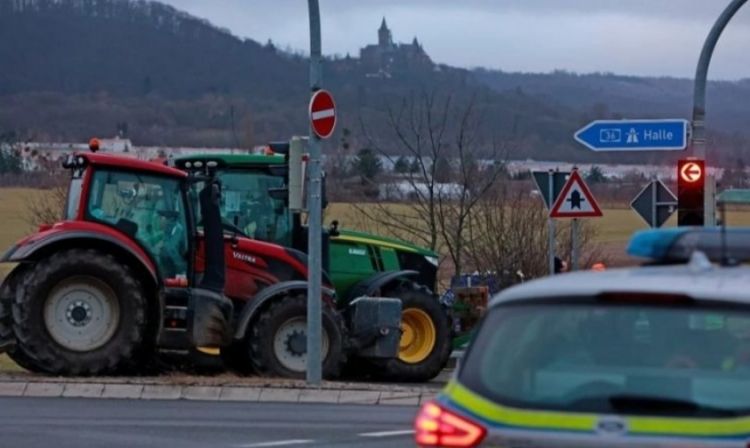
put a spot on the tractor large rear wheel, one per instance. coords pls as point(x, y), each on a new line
point(425, 342)
point(7, 339)
point(7, 295)
point(79, 312)
point(277, 341)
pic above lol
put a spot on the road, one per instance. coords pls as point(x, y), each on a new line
point(75, 423)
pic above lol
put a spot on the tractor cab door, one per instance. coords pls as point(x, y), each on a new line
point(149, 209)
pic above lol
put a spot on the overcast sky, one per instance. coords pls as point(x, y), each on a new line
point(640, 37)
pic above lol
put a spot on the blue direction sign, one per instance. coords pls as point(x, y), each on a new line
point(635, 135)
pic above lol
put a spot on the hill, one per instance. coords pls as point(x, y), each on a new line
point(605, 94)
point(77, 68)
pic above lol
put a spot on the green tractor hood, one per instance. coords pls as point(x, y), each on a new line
point(375, 240)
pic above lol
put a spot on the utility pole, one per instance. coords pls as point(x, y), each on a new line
point(314, 320)
point(698, 138)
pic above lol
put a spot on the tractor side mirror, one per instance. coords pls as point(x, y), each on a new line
point(334, 229)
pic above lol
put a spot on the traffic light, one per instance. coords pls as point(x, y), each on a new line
point(691, 187)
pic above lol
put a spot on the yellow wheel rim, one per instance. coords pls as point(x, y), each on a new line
point(418, 336)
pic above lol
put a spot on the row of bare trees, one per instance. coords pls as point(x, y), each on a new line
point(476, 216)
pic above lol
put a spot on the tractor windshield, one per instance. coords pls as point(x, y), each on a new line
point(147, 208)
point(246, 206)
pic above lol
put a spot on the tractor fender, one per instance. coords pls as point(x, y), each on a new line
point(368, 286)
point(21, 253)
point(273, 292)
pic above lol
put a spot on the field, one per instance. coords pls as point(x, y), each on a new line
point(613, 230)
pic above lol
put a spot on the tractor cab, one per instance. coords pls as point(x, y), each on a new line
point(148, 206)
point(117, 279)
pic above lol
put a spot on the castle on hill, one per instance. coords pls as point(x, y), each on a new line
point(386, 56)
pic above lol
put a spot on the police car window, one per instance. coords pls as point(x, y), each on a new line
point(578, 357)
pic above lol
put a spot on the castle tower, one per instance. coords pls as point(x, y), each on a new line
point(385, 39)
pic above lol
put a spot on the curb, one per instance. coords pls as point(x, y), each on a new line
point(125, 391)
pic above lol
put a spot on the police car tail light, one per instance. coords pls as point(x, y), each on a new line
point(438, 427)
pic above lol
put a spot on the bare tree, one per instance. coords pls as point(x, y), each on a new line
point(472, 181)
point(452, 165)
point(419, 124)
point(507, 233)
point(590, 251)
point(47, 207)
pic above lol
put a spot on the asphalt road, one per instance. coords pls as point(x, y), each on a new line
point(75, 423)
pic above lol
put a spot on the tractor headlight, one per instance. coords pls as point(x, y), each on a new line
point(432, 260)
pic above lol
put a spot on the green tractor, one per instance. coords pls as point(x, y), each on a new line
point(262, 199)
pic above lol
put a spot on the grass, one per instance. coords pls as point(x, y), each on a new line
point(8, 366)
point(14, 213)
point(613, 230)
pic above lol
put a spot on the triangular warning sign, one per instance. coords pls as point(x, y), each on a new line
point(575, 200)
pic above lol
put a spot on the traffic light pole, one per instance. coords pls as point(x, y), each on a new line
point(698, 139)
point(314, 324)
point(551, 242)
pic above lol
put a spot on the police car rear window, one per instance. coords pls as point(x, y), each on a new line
point(621, 358)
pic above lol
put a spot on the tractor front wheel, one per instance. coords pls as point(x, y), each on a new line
point(79, 312)
point(425, 342)
point(278, 339)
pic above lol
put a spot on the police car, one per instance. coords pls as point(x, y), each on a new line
point(655, 356)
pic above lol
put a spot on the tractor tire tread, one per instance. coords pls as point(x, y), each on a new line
point(36, 348)
point(260, 339)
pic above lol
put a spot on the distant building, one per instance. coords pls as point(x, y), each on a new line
point(387, 57)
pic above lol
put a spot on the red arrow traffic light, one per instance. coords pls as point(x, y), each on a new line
point(691, 171)
point(691, 182)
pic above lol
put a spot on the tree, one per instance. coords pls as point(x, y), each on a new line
point(735, 176)
point(507, 235)
point(10, 160)
point(444, 139)
point(443, 170)
point(367, 165)
point(414, 167)
point(401, 166)
point(596, 175)
point(345, 136)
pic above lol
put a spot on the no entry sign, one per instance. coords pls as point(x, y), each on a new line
point(322, 114)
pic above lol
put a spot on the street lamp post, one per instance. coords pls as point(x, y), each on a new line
point(314, 324)
point(698, 139)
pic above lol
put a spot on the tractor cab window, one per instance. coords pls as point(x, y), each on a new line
point(147, 208)
point(247, 206)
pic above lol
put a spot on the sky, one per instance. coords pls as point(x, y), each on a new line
point(632, 37)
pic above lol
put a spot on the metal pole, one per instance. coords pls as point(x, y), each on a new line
point(551, 223)
point(698, 138)
point(710, 200)
point(654, 207)
point(574, 239)
point(314, 364)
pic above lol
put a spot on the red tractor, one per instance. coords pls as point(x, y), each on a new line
point(136, 268)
